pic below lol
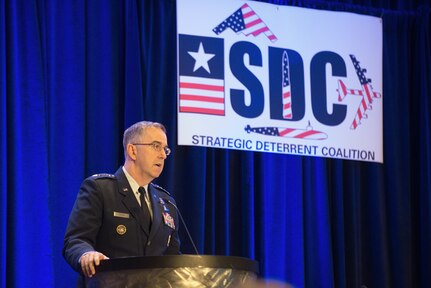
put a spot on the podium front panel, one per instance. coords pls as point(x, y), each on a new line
point(180, 271)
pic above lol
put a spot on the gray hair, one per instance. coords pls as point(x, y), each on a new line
point(132, 133)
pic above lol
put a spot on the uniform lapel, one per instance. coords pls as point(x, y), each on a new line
point(129, 199)
point(157, 210)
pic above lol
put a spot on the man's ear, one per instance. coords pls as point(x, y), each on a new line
point(131, 151)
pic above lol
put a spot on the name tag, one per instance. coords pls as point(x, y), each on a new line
point(121, 215)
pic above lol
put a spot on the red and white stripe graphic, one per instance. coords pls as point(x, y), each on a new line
point(287, 99)
point(254, 25)
point(302, 134)
point(307, 134)
point(201, 95)
point(367, 95)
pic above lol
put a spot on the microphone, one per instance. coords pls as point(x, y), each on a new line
point(184, 224)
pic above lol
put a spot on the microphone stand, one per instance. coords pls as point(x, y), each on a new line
point(185, 226)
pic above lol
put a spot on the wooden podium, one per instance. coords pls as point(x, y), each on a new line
point(179, 271)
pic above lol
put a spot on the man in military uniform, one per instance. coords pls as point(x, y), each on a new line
point(124, 214)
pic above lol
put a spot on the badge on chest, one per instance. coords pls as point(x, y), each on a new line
point(169, 221)
point(121, 229)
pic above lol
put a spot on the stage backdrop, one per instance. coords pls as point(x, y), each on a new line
point(270, 78)
point(74, 74)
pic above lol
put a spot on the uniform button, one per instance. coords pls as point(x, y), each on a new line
point(149, 243)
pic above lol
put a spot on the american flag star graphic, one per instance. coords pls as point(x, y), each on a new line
point(307, 134)
point(246, 21)
point(201, 76)
point(366, 93)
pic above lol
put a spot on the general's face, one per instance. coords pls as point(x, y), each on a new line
point(149, 162)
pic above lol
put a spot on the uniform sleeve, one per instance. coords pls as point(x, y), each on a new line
point(84, 223)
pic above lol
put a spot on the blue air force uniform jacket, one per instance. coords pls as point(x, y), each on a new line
point(106, 217)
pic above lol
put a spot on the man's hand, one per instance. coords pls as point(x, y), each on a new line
point(89, 260)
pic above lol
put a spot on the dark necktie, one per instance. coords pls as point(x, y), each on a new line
point(144, 206)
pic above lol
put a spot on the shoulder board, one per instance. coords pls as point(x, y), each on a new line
point(103, 175)
point(160, 188)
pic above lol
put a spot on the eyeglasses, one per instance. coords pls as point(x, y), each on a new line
point(156, 146)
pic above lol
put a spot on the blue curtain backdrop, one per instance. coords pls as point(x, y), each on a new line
point(75, 73)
